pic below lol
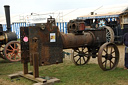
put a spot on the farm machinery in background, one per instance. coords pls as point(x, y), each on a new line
point(9, 46)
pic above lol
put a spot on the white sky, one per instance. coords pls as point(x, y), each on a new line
point(36, 6)
point(26, 7)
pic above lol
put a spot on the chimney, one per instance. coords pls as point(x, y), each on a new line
point(92, 13)
point(7, 14)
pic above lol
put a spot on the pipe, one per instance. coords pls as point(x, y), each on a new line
point(7, 14)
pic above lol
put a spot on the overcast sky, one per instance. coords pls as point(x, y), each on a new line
point(36, 6)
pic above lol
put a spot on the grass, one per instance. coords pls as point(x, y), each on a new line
point(68, 73)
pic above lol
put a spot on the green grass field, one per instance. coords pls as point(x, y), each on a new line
point(68, 73)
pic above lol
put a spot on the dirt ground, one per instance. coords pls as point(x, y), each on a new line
point(7, 82)
point(94, 60)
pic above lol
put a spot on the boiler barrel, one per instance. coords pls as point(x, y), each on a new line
point(7, 37)
point(11, 36)
point(71, 40)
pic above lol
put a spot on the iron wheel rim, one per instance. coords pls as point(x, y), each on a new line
point(108, 56)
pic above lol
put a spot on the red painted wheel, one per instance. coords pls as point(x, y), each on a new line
point(12, 51)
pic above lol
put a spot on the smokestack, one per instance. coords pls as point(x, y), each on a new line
point(92, 13)
point(7, 14)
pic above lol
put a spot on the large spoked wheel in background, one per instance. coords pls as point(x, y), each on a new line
point(80, 56)
point(12, 51)
point(109, 34)
point(108, 56)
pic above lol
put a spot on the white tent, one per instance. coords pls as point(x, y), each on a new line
point(66, 15)
point(106, 11)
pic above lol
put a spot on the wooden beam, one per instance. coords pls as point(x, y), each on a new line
point(25, 68)
point(35, 65)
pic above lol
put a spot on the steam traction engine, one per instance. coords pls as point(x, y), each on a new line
point(43, 45)
point(9, 46)
point(100, 44)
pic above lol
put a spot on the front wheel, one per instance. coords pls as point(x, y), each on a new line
point(81, 56)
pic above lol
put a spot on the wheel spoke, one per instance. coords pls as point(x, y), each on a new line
point(84, 59)
point(76, 50)
point(76, 55)
point(9, 50)
point(86, 52)
point(17, 48)
point(106, 63)
point(14, 57)
point(86, 55)
point(112, 52)
point(78, 59)
point(103, 56)
point(18, 56)
point(11, 46)
point(83, 48)
point(108, 33)
point(111, 62)
point(105, 51)
point(14, 46)
point(10, 55)
point(113, 57)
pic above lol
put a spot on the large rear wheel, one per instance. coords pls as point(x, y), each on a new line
point(108, 56)
point(109, 34)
